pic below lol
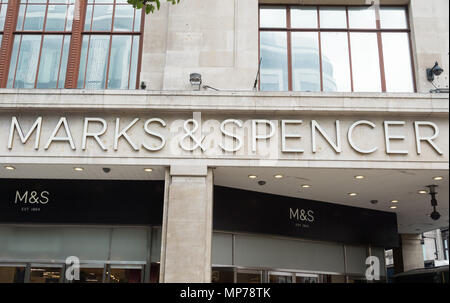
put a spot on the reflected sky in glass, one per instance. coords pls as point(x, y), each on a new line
point(272, 17)
point(304, 17)
point(305, 61)
point(333, 17)
point(119, 62)
point(56, 18)
point(274, 70)
point(335, 62)
point(393, 17)
point(365, 62)
point(397, 62)
point(362, 17)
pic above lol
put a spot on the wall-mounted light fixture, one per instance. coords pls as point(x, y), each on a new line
point(434, 215)
point(436, 70)
point(196, 80)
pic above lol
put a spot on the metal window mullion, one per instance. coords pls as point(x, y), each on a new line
point(141, 38)
point(289, 48)
point(349, 51)
point(380, 51)
point(131, 59)
point(110, 44)
point(411, 53)
point(108, 62)
point(87, 57)
point(320, 50)
point(39, 60)
point(17, 60)
point(42, 43)
point(60, 60)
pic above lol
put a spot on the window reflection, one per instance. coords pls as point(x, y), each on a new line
point(346, 59)
point(120, 62)
point(305, 61)
point(97, 62)
point(335, 62)
point(109, 60)
point(365, 62)
point(333, 17)
point(397, 62)
point(304, 17)
point(123, 18)
point(25, 70)
point(272, 17)
point(274, 73)
point(102, 18)
point(393, 17)
point(96, 57)
point(51, 67)
point(25, 61)
point(362, 17)
point(34, 18)
point(56, 18)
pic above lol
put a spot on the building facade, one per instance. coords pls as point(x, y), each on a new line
point(221, 140)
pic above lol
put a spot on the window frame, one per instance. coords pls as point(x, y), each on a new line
point(288, 29)
point(42, 33)
point(110, 34)
point(76, 39)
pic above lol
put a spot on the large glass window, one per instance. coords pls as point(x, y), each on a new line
point(41, 44)
point(110, 48)
point(335, 48)
point(107, 57)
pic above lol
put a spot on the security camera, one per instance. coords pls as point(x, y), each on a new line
point(435, 215)
point(436, 70)
point(106, 169)
point(374, 201)
point(143, 85)
point(262, 183)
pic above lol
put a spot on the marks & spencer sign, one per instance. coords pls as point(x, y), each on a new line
point(317, 138)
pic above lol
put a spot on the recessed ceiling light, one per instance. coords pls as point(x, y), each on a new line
point(279, 176)
point(306, 186)
point(359, 177)
point(9, 167)
point(78, 169)
point(352, 194)
point(393, 207)
point(149, 170)
point(438, 178)
point(394, 201)
point(252, 176)
point(422, 192)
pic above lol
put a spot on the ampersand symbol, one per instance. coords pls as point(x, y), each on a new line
point(190, 134)
point(33, 198)
point(302, 215)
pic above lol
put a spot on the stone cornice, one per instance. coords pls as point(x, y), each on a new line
point(243, 102)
